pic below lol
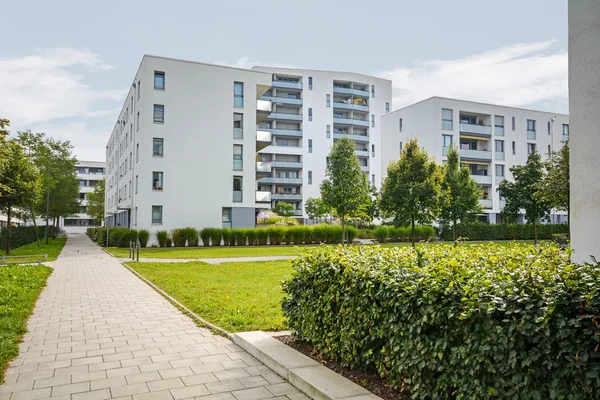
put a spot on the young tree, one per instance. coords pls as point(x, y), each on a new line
point(554, 188)
point(460, 193)
point(345, 188)
point(522, 193)
point(95, 201)
point(411, 191)
point(4, 124)
point(283, 209)
point(18, 179)
point(370, 209)
point(316, 208)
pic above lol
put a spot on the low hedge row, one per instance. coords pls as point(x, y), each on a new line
point(483, 231)
point(444, 322)
point(403, 234)
point(22, 235)
point(117, 237)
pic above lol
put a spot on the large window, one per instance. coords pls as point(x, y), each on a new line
point(238, 126)
point(310, 177)
point(159, 113)
point(158, 147)
point(530, 129)
point(447, 119)
point(328, 100)
point(159, 80)
point(499, 125)
point(530, 148)
point(499, 146)
point(446, 141)
point(310, 83)
point(237, 189)
point(157, 214)
point(226, 215)
point(565, 131)
point(373, 120)
point(238, 95)
point(238, 161)
point(157, 180)
point(310, 114)
point(310, 145)
point(328, 131)
point(500, 170)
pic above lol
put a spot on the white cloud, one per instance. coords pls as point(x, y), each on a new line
point(517, 75)
point(42, 87)
point(245, 63)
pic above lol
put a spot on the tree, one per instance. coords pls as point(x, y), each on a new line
point(18, 180)
point(316, 208)
point(283, 209)
point(554, 188)
point(460, 193)
point(411, 191)
point(4, 124)
point(95, 201)
point(370, 209)
point(345, 188)
point(522, 193)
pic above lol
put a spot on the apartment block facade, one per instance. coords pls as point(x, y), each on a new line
point(88, 173)
point(491, 139)
point(213, 146)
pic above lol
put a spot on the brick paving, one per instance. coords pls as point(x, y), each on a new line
point(98, 332)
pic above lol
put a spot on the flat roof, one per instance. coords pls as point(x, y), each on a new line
point(321, 70)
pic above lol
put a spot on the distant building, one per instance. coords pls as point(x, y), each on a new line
point(88, 173)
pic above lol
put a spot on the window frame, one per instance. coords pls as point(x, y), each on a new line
point(162, 141)
point(161, 180)
point(164, 80)
point(161, 208)
point(154, 110)
point(238, 96)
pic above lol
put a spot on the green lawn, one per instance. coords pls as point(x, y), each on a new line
point(248, 251)
point(234, 296)
point(20, 287)
point(53, 249)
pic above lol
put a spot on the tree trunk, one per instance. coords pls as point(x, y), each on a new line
point(413, 231)
point(37, 234)
point(534, 232)
point(8, 230)
point(454, 229)
point(568, 223)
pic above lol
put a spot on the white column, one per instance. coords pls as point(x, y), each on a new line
point(584, 132)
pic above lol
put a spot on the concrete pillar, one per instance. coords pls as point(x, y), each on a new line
point(584, 127)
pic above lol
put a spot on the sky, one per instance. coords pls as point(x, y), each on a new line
point(65, 66)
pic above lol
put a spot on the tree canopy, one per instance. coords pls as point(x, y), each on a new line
point(555, 186)
point(95, 201)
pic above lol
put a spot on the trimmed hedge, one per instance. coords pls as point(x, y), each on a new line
point(444, 322)
point(403, 234)
point(118, 237)
point(143, 236)
point(23, 235)
point(483, 231)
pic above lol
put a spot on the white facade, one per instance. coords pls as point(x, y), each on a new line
point(88, 173)
point(491, 139)
point(186, 149)
point(584, 103)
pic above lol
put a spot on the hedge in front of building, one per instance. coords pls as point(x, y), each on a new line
point(23, 235)
point(476, 322)
point(483, 231)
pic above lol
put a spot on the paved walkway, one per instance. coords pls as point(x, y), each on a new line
point(98, 332)
point(213, 260)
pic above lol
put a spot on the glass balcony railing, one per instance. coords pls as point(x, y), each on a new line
point(499, 130)
point(237, 196)
point(476, 129)
point(269, 180)
point(283, 132)
point(486, 203)
point(350, 106)
point(356, 138)
point(287, 84)
point(482, 155)
point(286, 164)
point(531, 134)
point(238, 133)
point(283, 100)
point(285, 116)
point(263, 197)
point(350, 121)
point(482, 179)
point(287, 196)
point(362, 153)
point(364, 168)
point(447, 125)
point(355, 92)
point(263, 166)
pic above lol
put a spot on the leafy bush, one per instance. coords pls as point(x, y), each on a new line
point(143, 236)
point(191, 236)
point(22, 235)
point(216, 235)
point(478, 322)
point(161, 237)
point(100, 237)
point(121, 237)
point(279, 221)
point(381, 233)
point(483, 231)
point(251, 236)
point(262, 236)
point(351, 234)
point(228, 237)
point(239, 236)
point(276, 235)
point(365, 234)
point(295, 234)
point(318, 233)
point(205, 236)
point(178, 239)
point(169, 241)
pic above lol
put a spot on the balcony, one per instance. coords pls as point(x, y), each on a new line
point(263, 139)
point(263, 167)
point(356, 138)
point(283, 132)
point(287, 196)
point(531, 135)
point(287, 84)
point(263, 109)
point(364, 168)
point(263, 197)
point(354, 92)
point(487, 204)
point(475, 155)
point(285, 116)
point(283, 100)
point(499, 130)
point(297, 213)
point(346, 106)
point(351, 121)
point(474, 129)
point(270, 180)
point(237, 196)
point(238, 133)
point(362, 153)
point(286, 164)
point(482, 179)
point(499, 156)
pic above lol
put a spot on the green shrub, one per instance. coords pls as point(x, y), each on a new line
point(350, 234)
point(100, 237)
point(424, 232)
point(178, 239)
point(205, 236)
point(381, 233)
point(192, 236)
point(251, 236)
point(161, 237)
point(295, 234)
point(121, 237)
point(308, 234)
point(276, 234)
point(477, 322)
point(143, 236)
point(216, 234)
point(22, 235)
point(365, 234)
point(318, 233)
point(483, 231)
point(262, 236)
point(239, 236)
point(169, 241)
point(228, 237)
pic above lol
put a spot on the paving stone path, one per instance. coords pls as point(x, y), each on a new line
point(98, 332)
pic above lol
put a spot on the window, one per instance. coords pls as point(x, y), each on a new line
point(328, 131)
point(137, 122)
point(238, 126)
point(565, 131)
point(238, 163)
point(139, 89)
point(136, 184)
point(513, 123)
point(372, 150)
point(400, 148)
point(530, 148)
point(447, 124)
point(530, 129)
point(499, 125)
point(126, 137)
point(82, 183)
point(400, 124)
point(237, 189)
point(310, 114)
point(157, 180)
point(81, 196)
point(135, 217)
point(159, 80)
point(499, 146)
point(137, 152)
point(158, 147)
point(372, 90)
point(238, 95)
point(447, 140)
point(373, 179)
point(282, 142)
point(131, 104)
point(226, 215)
point(500, 170)
point(310, 145)
point(310, 177)
point(130, 160)
point(549, 150)
point(157, 214)
point(310, 83)
point(514, 147)
point(549, 128)
point(387, 107)
point(159, 113)
point(373, 120)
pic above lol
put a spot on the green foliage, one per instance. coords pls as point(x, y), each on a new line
point(52, 250)
point(178, 239)
point(279, 221)
point(189, 235)
point(262, 236)
point(161, 238)
point(239, 236)
point(143, 236)
point(205, 236)
point(251, 236)
point(365, 234)
point(228, 237)
point(216, 235)
point(316, 208)
point(483, 231)
point(554, 187)
point(120, 237)
point(381, 233)
point(445, 322)
point(23, 235)
point(169, 241)
point(95, 201)
point(284, 209)
point(411, 191)
point(276, 234)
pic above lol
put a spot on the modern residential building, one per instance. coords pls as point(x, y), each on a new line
point(212, 146)
point(491, 139)
point(88, 173)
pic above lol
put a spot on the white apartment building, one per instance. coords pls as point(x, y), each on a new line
point(491, 139)
point(88, 173)
point(212, 146)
